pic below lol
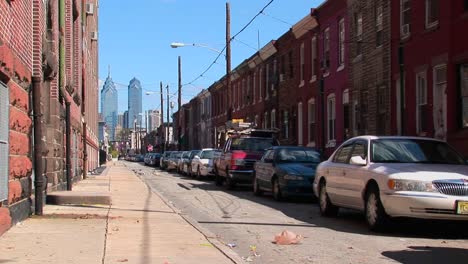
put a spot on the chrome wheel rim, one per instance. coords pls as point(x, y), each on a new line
point(371, 209)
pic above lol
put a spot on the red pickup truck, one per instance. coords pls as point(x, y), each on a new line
point(239, 154)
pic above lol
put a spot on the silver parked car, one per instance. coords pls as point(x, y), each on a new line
point(202, 163)
point(395, 176)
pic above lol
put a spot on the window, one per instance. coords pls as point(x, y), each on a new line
point(4, 138)
point(275, 76)
point(439, 104)
point(421, 103)
point(358, 24)
point(466, 5)
point(273, 118)
point(256, 120)
point(286, 125)
point(432, 13)
point(346, 114)
point(331, 116)
point(300, 139)
point(265, 120)
point(341, 43)
point(244, 92)
point(291, 64)
point(464, 93)
point(302, 65)
point(311, 117)
point(313, 53)
point(379, 26)
point(342, 155)
point(254, 87)
point(360, 149)
point(405, 17)
point(326, 48)
point(382, 112)
point(267, 81)
point(260, 85)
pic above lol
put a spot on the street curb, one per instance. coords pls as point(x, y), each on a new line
point(210, 236)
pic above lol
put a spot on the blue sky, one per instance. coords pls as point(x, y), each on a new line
point(135, 37)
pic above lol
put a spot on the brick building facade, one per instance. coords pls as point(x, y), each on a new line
point(336, 74)
point(41, 49)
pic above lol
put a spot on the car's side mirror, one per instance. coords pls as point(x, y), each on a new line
point(358, 160)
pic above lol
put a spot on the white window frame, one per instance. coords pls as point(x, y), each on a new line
point(313, 58)
point(428, 5)
point(341, 44)
point(273, 118)
point(301, 70)
point(331, 117)
point(421, 98)
point(311, 116)
point(402, 22)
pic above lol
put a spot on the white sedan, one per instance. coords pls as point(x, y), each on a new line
point(394, 177)
point(202, 164)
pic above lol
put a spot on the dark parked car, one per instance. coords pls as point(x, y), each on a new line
point(286, 171)
point(154, 160)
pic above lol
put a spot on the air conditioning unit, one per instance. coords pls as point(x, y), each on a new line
point(94, 35)
point(405, 29)
point(282, 77)
point(89, 8)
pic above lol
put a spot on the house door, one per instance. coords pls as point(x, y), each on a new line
point(440, 102)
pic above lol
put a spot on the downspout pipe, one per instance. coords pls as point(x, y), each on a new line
point(68, 146)
point(38, 147)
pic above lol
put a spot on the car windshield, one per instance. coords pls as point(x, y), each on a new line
point(252, 144)
point(413, 151)
point(207, 154)
point(186, 154)
point(298, 155)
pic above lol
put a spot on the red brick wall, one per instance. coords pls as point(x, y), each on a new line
point(16, 60)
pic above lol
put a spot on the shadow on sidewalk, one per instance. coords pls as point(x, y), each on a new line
point(118, 209)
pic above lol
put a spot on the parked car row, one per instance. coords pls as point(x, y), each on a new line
point(384, 177)
point(135, 157)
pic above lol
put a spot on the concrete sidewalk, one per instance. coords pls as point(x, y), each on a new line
point(138, 227)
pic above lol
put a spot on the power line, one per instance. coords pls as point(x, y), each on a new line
point(233, 37)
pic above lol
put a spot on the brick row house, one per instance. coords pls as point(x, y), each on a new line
point(48, 58)
point(335, 74)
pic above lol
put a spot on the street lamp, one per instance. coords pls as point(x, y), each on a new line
point(175, 45)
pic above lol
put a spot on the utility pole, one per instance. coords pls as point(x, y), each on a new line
point(167, 103)
point(228, 60)
point(163, 130)
point(179, 102)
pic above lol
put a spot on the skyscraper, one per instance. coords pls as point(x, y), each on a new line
point(135, 107)
point(109, 106)
point(125, 119)
point(154, 119)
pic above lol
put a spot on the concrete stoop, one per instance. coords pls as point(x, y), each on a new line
point(78, 198)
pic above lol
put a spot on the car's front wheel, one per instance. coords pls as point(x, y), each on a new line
point(256, 187)
point(326, 206)
point(277, 195)
point(375, 213)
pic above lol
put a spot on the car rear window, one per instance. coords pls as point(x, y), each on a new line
point(252, 144)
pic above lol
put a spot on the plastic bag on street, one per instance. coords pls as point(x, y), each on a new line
point(287, 237)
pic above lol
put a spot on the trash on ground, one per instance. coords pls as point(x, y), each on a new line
point(122, 260)
point(247, 259)
point(206, 245)
point(287, 237)
point(253, 249)
point(231, 245)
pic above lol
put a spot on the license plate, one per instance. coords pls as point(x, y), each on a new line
point(462, 207)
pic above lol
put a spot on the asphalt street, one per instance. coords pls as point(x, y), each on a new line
point(249, 224)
